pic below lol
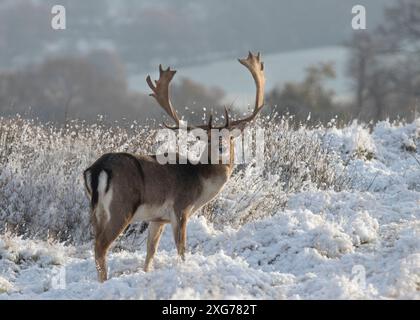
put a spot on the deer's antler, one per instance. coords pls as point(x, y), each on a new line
point(254, 64)
point(256, 67)
point(161, 92)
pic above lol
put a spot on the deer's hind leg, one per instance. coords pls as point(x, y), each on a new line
point(153, 238)
point(108, 226)
point(179, 227)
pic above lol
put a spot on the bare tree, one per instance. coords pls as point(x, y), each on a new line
point(309, 97)
point(385, 65)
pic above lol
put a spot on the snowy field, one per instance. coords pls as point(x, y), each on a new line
point(361, 241)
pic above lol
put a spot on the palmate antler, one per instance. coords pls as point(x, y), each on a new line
point(161, 93)
point(256, 67)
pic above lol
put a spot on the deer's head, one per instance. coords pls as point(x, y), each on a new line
point(232, 128)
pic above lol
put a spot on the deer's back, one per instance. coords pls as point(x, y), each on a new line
point(142, 186)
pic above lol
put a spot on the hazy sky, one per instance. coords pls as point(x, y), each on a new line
point(185, 32)
point(128, 39)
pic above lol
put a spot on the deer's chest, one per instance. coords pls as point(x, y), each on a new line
point(210, 189)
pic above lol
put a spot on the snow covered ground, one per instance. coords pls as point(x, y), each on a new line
point(359, 243)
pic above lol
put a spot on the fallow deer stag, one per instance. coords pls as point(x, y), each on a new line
point(123, 187)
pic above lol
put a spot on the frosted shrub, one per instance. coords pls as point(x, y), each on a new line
point(41, 186)
point(296, 159)
point(8, 136)
point(42, 193)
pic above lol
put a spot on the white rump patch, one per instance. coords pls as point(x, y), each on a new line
point(105, 198)
point(103, 178)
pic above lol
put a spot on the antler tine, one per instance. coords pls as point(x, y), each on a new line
point(254, 64)
point(161, 92)
point(209, 124)
point(227, 124)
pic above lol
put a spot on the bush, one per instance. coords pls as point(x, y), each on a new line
point(41, 188)
point(42, 193)
point(296, 159)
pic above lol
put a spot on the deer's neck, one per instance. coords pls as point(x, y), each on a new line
point(213, 177)
point(220, 173)
point(224, 168)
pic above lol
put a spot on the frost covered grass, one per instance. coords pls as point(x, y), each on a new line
point(328, 202)
point(42, 194)
point(41, 187)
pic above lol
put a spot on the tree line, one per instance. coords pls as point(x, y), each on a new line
point(383, 65)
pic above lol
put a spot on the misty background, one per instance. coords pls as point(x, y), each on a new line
point(316, 64)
